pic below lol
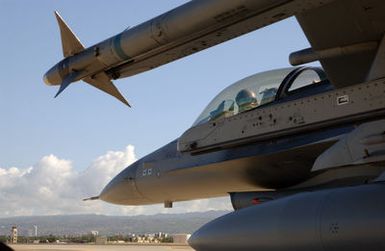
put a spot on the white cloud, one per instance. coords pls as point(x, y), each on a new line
point(53, 186)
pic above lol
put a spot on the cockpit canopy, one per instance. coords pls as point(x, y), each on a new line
point(257, 90)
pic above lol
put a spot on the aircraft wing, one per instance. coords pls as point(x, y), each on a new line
point(344, 34)
point(185, 30)
point(346, 24)
point(199, 25)
point(349, 32)
point(346, 37)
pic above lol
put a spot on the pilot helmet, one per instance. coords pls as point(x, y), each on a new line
point(246, 100)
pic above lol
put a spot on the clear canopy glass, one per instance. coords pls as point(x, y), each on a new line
point(251, 92)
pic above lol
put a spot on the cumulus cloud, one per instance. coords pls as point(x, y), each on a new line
point(53, 186)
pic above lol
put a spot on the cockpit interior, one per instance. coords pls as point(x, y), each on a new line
point(261, 89)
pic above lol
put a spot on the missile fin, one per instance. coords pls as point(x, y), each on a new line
point(104, 83)
point(70, 42)
point(66, 82)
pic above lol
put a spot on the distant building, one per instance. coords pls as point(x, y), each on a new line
point(160, 235)
point(35, 228)
point(141, 239)
point(147, 238)
point(101, 240)
point(94, 233)
point(14, 235)
point(180, 238)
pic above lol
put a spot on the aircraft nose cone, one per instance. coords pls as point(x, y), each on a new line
point(122, 189)
point(114, 191)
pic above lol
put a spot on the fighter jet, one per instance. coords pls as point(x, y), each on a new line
point(300, 150)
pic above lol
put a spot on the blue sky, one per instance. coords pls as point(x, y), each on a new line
point(84, 123)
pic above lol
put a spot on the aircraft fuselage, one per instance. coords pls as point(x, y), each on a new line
point(280, 161)
point(168, 175)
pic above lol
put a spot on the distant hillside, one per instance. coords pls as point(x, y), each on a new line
point(108, 225)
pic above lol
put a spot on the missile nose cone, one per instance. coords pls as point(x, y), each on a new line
point(52, 77)
point(45, 78)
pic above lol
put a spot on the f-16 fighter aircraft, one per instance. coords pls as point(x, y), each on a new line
point(300, 150)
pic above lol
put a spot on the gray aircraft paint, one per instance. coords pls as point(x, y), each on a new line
point(344, 219)
point(284, 164)
point(339, 218)
point(163, 39)
point(362, 100)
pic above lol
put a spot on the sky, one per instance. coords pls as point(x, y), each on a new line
point(54, 152)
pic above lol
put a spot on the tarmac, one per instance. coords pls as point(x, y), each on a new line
point(93, 247)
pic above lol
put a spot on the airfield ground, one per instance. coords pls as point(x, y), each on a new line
point(90, 247)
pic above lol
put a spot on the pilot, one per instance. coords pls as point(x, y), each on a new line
point(224, 109)
point(246, 100)
point(268, 95)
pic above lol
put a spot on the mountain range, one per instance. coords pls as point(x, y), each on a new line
point(108, 225)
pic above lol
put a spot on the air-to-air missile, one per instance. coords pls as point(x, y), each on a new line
point(182, 31)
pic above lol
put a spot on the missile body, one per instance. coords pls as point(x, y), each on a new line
point(350, 218)
point(177, 26)
point(187, 29)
